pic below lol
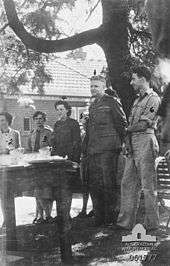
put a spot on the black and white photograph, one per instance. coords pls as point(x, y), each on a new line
point(84, 132)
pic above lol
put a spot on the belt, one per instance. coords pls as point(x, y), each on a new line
point(147, 131)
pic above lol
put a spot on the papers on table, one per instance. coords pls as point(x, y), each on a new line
point(25, 159)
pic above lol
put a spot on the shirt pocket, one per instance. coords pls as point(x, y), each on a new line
point(102, 115)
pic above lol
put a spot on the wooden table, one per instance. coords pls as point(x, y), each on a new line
point(19, 178)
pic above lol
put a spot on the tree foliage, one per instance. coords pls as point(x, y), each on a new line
point(16, 61)
point(40, 28)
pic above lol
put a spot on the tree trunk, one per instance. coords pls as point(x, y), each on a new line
point(116, 49)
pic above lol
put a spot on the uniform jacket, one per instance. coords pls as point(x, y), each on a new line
point(45, 138)
point(145, 109)
point(66, 139)
point(107, 125)
point(10, 140)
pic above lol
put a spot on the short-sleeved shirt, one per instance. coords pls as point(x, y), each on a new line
point(45, 138)
point(10, 140)
point(145, 109)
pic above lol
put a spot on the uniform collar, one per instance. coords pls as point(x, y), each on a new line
point(147, 92)
point(39, 129)
point(97, 100)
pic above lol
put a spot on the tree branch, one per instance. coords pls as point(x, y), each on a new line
point(4, 27)
point(48, 46)
point(92, 10)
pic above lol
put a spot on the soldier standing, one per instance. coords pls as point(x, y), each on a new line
point(142, 146)
point(105, 134)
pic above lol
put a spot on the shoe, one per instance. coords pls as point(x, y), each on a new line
point(121, 228)
point(90, 214)
point(34, 221)
point(49, 220)
point(3, 225)
point(94, 222)
point(152, 230)
point(82, 215)
point(40, 221)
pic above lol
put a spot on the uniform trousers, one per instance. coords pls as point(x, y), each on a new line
point(140, 174)
point(102, 184)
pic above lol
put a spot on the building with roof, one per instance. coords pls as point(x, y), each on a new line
point(70, 80)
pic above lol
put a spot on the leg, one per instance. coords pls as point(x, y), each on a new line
point(85, 201)
point(119, 176)
point(130, 195)
point(149, 180)
point(45, 200)
point(96, 187)
point(84, 177)
point(39, 207)
point(109, 166)
point(3, 211)
point(47, 207)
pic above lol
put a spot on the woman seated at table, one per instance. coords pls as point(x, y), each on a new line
point(39, 138)
point(9, 140)
point(66, 141)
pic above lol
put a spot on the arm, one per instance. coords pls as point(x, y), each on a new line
point(119, 118)
point(149, 118)
point(17, 140)
point(85, 140)
point(76, 139)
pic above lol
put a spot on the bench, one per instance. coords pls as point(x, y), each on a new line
point(163, 185)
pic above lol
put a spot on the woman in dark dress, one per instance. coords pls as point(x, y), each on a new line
point(66, 141)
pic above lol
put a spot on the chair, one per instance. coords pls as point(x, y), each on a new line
point(163, 185)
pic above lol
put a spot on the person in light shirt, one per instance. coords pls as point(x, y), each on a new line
point(39, 138)
point(9, 140)
point(9, 137)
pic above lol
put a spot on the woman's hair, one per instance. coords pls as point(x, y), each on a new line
point(66, 105)
point(8, 117)
point(44, 116)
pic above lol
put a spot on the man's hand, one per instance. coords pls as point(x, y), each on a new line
point(128, 145)
point(167, 155)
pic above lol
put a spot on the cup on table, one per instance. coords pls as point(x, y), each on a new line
point(17, 155)
point(45, 152)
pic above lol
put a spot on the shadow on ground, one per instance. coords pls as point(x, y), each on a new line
point(38, 245)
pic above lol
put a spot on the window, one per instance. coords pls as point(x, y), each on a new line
point(26, 124)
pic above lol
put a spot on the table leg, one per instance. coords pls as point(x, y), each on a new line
point(63, 201)
point(10, 221)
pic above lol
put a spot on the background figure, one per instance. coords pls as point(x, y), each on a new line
point(66, 141)
point(38, 139)
point(9, 140)
point(142, 148)
point(105, 134)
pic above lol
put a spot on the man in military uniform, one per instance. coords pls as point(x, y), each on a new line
point(38, 138)
point(142, 147)
point(105, 134)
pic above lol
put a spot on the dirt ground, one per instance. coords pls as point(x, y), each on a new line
point(39, 245)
